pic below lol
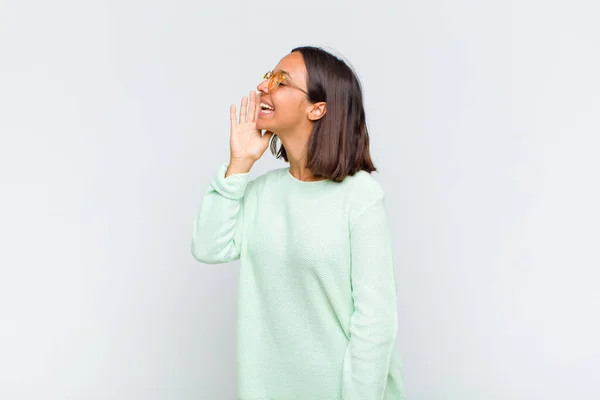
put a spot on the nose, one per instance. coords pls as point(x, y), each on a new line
point(263, 86)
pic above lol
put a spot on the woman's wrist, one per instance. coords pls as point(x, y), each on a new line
point(239, 166)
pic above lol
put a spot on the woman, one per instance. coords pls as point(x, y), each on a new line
point(317, 315)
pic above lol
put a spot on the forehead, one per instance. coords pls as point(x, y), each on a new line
point(293, 64)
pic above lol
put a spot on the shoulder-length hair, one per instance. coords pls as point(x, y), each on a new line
point(339, 142)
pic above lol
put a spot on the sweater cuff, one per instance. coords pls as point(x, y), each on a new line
point(232, 187)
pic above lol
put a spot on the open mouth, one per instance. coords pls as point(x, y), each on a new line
point(266, 109)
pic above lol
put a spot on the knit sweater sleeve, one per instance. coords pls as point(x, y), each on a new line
point(218, 224)
point(373, 323)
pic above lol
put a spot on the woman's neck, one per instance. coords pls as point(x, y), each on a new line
point(296, 155)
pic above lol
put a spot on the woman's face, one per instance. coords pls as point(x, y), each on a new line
point(290, 104)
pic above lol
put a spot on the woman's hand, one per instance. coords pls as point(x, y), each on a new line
point(247, 144)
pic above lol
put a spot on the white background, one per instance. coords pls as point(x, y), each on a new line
point(484, 124)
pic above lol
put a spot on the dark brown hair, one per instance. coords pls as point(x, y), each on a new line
point(339, 143)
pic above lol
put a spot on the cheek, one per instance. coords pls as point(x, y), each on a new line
point(287, 107)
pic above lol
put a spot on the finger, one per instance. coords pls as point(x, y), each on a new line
point(244, 110)
point(252, 105)
point(232, 116)
point(257, 107)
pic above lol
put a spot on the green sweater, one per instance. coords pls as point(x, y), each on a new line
point(317, 313)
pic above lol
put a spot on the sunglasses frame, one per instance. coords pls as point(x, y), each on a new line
point(276, 78)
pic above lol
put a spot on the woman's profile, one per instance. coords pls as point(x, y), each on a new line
point(317, 313)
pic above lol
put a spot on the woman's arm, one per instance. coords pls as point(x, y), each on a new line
point(373, 324)
point(218, 225)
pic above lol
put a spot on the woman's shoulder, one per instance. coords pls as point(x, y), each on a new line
point(364, 191)
point(365, 184)
point(270, 175)
point(261, 182)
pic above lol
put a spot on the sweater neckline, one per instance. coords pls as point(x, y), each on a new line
point(297, 181)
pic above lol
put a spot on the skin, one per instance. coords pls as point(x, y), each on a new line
point(292, 121)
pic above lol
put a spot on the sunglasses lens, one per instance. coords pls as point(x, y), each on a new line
point(269, 75)
point(275, 81)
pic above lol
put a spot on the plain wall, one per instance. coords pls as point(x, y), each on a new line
point(114, 116)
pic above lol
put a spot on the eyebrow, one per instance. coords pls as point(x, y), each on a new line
point(286, 73)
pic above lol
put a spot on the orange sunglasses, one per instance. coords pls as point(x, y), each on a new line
point(276, 78)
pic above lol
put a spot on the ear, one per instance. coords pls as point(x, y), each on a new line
point(317, 111)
